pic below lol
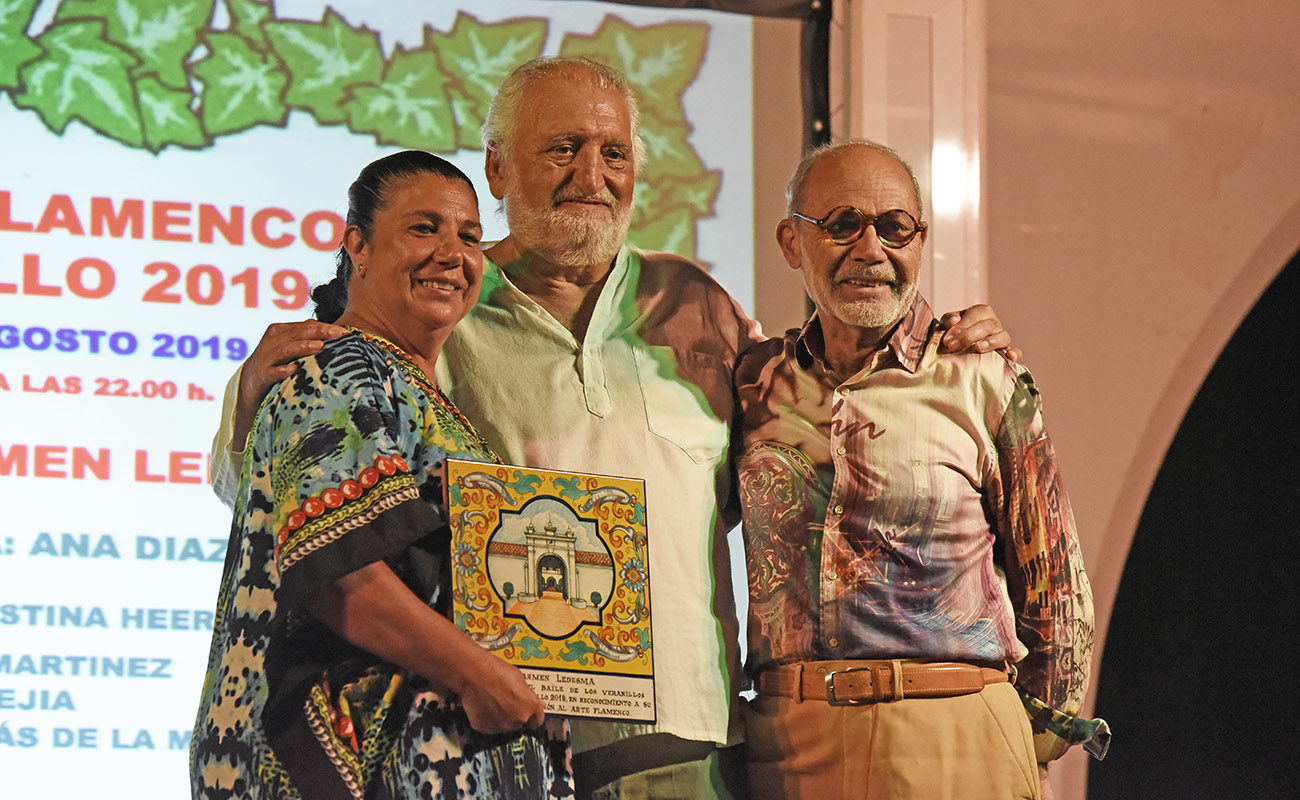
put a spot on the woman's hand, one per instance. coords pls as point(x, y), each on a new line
point(976, 330)
point(497, 699)
point(374, 610)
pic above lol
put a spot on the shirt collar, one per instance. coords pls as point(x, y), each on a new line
point(907, 341)
point(495, 278)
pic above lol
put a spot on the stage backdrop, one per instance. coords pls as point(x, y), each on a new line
point(172, 179)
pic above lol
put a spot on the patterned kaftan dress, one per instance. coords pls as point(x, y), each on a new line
point(344, 469)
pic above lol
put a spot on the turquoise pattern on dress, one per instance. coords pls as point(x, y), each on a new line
point(344, 468)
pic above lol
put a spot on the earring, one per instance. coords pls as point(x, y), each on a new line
point(361, 270)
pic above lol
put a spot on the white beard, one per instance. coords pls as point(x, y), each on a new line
point(566, 238)
point(873, 314)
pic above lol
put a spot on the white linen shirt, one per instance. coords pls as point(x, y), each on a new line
point(647, 394)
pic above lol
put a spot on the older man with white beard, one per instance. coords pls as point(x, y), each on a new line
point(588, 355)
point(585, 354)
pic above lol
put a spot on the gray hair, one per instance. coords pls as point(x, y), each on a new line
point(798, 181)
point(499, 126)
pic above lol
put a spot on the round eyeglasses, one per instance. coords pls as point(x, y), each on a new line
point(846, 224)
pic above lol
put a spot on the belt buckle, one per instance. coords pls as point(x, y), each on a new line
point(832, 700)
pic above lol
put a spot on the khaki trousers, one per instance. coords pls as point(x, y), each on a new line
point(971, 747)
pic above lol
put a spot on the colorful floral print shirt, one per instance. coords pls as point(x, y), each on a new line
point(913, 511)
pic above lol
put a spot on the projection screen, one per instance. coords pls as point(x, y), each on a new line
point(173, 178)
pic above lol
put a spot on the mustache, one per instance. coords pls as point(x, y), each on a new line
point(852, 273)
point(605, 197)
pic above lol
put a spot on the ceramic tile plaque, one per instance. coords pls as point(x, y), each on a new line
point(550, 571)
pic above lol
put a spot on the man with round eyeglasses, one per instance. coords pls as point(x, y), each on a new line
point(920, 624)
point(846, 224)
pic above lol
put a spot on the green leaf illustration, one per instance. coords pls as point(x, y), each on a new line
point(696, 193)
point(16, 15)
point(121, 66)
point(246, 17)
point(465, 110)
point(324, 59)
point(409, 108)
point(659, 60)
point(161, 32)
point(15, 48)
point(15, 52)
point(672, 232)
point(85, 77)
point(167, 116)
point(241, 87)
point(479, 56)
point(668, 152)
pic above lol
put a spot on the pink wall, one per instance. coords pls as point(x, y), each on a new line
point(1143, 188)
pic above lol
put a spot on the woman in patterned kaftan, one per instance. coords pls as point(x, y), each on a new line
point(334, 672)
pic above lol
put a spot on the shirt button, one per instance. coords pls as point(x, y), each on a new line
point(842, 392)
point(833, 642)
point(838, 510)
point(841, 450)
point(830, 575)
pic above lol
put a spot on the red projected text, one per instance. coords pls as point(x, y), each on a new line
point(202, 284)
point(21, 460)
point(172, 221)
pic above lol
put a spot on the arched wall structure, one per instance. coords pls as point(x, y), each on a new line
point(1143, 189)
point(1139, 188)
point(1222, 321)
point(1206, 597)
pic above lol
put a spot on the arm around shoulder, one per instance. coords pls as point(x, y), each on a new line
point(270, 362)
point(224, 460)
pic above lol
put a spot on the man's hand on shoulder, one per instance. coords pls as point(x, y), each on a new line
point(272, 361)
point(976, 330)
point(282, 344)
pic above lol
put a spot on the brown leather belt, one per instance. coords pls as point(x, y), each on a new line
point(843, 683)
